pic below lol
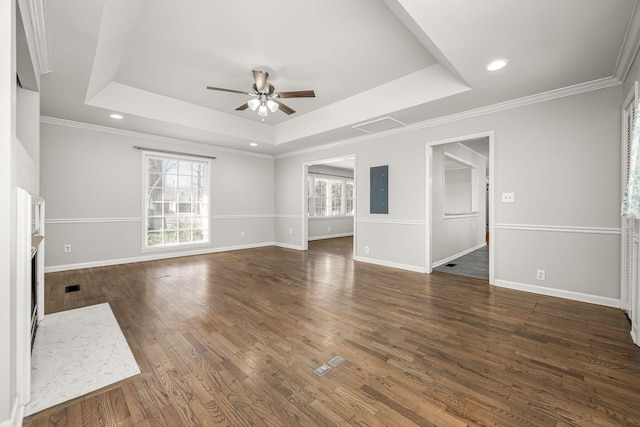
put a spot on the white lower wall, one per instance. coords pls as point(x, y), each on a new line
point(288, 231)
point(327, 228)
point(575, 261)
point(378, 242)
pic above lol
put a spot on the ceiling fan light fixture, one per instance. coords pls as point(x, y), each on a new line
point(262, 110)
point(272, 105)
point(253, 104)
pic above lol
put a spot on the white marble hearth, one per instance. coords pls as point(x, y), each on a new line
point(76, 352)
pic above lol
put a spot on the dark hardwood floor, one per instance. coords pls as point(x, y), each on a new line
point(231, 339)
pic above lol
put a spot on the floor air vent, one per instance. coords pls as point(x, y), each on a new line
point(71, 288)
point(451, 264)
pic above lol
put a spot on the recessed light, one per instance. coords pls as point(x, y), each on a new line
point(253, 144)
point(116, 116)
point(497, 64)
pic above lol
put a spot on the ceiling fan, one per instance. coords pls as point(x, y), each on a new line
point(264, 96)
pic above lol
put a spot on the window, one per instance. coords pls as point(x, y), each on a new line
point(176, 210)
point(329, 196)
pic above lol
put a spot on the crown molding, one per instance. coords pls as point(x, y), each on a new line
point(490, 109)
point(34, 12)
point(465, 115)
point(630, 46)
point(146, 136)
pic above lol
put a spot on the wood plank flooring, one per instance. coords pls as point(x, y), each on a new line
point(231, 339)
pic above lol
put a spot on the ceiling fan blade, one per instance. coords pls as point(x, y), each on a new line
point(242, 107)
point(284, 108)
point(297, 94)
point(261, 79)
point(228, 90)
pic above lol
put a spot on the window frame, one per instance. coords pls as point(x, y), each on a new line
point(311, 199)
point(206, 216)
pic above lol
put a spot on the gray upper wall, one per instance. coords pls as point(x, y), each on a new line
point(92, 181)
point(561, 158)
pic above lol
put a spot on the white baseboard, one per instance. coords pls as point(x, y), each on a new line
point(17, 415)
point(288, 246)
point(407, 267)
point(330, 236)
point(152, 257)
point(576, 296)
point(458, 255)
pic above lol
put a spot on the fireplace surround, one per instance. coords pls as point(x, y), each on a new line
point(30, 284)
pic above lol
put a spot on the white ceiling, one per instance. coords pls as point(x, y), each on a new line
point(411, 60)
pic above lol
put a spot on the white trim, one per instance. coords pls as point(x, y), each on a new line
point(17, 415)
point(330, 218)
point(463, 138)
point(40, 41)
point(90, 220)
point(390, 221)
point(490, 109)
point(288, 246)
point(429, 215)
point(173, 247)
point(630, 45)
point(287, 216)
point(148, 137)
point(207, 175)
point(458, 255)
point(305, 217)
point(251, 216)
point(138, 219)
point(153, 257)
point(473, 151)
point(23, 296)
point(391, 264)
point(456, 216)
point(330, 236)
point(428, 203)
point(560, 228)
point(575, 296)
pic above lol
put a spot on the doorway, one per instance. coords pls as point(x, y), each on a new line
point(459, 206)
point(329, 201)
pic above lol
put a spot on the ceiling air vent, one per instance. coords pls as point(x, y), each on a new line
point(379, 125)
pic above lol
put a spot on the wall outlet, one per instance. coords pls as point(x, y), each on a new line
point(242, 234)
point(67, 248)
point(541, 275)
point(329, 228)
point(290, 230)
point(366, 249)
point(508, 198)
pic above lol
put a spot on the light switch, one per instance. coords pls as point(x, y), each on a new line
point(508, 198)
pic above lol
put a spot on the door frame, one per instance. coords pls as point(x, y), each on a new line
point(305, 215)
point(429, 197)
